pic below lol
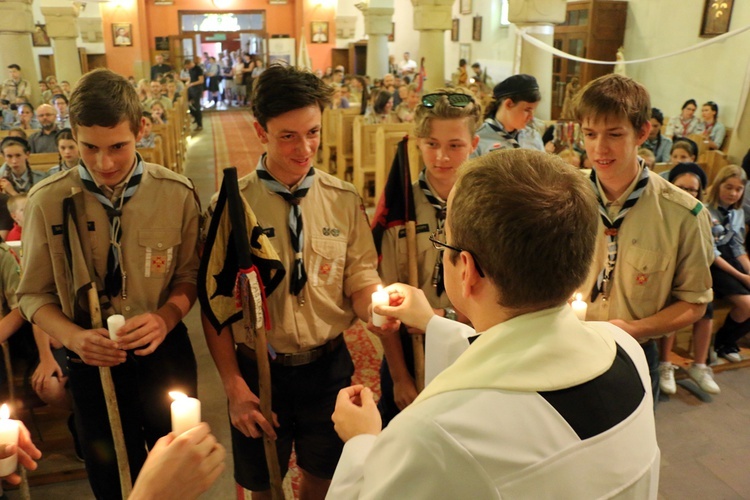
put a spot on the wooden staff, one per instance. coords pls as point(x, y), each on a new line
point(417, 341)
point(108, 386)
point(264, 382)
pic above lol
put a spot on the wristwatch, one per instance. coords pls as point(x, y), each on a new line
point(450, 313)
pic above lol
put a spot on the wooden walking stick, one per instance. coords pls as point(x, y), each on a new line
point(417, 341)
point(74, 209)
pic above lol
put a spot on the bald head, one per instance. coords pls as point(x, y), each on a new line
point(46, 115)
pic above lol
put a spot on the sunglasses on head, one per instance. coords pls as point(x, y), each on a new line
point(455, 100)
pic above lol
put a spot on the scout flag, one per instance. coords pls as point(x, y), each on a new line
point(303, 56)
point(230, 252)
point(396, 205)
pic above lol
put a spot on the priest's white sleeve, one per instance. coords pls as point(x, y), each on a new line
point(445, 341)
point(349, 476)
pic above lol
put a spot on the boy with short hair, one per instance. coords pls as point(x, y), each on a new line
point(143, 227)
point(650, 275)
point(16, 205)
point(331, 275)
point(147, 137)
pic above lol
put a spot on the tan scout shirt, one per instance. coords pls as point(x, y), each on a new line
point(664, 255)
point(9, 274)
point(338, 253)
point(160, 229)
point(394, 267)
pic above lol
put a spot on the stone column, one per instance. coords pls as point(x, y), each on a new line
point(62, 28)
point(432, 18)
point(16, 26)
point(538, 17)
point(378, 19)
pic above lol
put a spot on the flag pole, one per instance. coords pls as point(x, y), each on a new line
point(252, 315)
point(417, 341)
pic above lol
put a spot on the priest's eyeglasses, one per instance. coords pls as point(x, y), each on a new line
point(438, 241)
point(455, 100)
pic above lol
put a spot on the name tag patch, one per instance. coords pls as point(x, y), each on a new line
point(57, 229)
point(421, 228)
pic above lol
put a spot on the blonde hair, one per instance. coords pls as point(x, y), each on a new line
point(443, 110)
point(727, 172)
point(14, 202)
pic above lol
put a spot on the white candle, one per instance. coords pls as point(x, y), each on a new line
point(579, 307)
point(379, 298)
point(186, 412)
point(8, 435)
point(114, 323)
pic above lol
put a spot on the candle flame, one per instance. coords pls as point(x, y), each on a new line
point(4, 412)
point(579, 296)
point(380, 288)
point(177, 395)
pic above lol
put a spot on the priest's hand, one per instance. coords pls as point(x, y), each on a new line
point(180, 467)
point(27, 453)
point(356, 413)
point(409, 305)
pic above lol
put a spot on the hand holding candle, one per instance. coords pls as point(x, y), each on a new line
point(579, 307)
point(114, 323)
point(186, 412)
point(379, 298)
point(8, 436)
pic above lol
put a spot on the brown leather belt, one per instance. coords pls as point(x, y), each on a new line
point(296, 358)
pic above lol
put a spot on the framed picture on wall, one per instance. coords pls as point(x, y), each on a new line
point(39, 37)
point(122, 34)
point(476, 32)
point(454, 30)
point(717, 14)
point(465, 6)
point(319, 31)
point(464, 51)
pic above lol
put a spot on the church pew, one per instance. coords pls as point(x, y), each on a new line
point(365, 151)
point(170, 156)
point(345, 141)
point(386, 145)
point(328, 133)
point(154, 154)
point(42, 162)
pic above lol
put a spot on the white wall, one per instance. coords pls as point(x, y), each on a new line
point(713, 73)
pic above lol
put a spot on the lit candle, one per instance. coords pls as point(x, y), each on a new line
point(8, 435)
point(114, 323)
point(579, 307)
point(186, 412)
point(379, 298)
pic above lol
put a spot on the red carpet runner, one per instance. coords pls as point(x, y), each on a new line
point(236, 144)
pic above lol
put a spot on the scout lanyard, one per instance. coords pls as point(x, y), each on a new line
point(439, 205)
point(604, 280)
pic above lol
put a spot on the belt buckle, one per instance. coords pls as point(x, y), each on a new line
point(301, 358)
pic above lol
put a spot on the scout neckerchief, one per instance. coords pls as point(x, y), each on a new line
point(604, 280)
point(299, 276)
point(685, 126)
point(116, 279)
point(21, 183)
point(512, 138)
point(439, 205)
point(726, 224)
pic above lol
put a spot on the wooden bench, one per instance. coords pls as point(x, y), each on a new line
point(154, 154)
point(345, 141)
point(42, 162)
point(365, 149)
point(168, 145)
point(386, 146)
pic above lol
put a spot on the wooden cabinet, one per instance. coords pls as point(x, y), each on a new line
point(594, 30)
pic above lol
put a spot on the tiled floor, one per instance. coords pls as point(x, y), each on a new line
point(705, 445)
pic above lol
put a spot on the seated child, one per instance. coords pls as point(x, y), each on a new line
point(692, 179)
point(68, 149)
point(147, 137)
point(16, 205)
